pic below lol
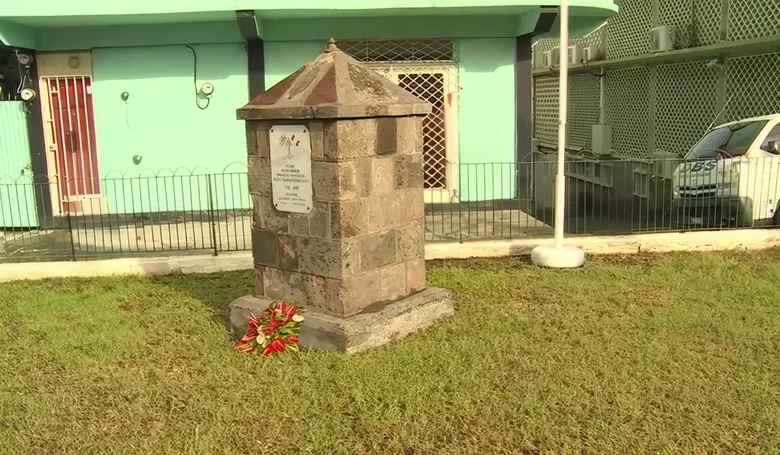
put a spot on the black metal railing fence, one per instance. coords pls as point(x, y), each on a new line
point(160, 214)
point(43, 219)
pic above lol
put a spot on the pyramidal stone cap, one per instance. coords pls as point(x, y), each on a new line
point(334, 85)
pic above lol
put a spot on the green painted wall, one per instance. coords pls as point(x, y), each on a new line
point(101, 8)
point(68, 38)
point(284, 58)
point(17, 201)
point(487, 118)
point(161, 123)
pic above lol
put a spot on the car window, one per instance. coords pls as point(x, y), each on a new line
point(732, 140)
point(774, 135)
point(741, 138)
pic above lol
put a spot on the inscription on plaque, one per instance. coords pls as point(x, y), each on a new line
point(291, 168)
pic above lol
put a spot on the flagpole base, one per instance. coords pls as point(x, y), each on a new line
point(568, 257)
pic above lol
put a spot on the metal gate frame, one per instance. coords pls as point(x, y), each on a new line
point(52, 67)
point(449, 71)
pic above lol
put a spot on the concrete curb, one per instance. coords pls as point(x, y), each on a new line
point(174, 265)
point(754, 239)
point(667, 242)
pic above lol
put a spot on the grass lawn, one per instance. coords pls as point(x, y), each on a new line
point(672, 353)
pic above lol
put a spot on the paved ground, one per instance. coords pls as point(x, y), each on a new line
point(449, 225)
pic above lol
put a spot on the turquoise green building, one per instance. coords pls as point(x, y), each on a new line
point(111, 91)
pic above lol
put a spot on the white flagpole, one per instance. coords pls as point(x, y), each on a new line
point(561, 256)
point(563, 112)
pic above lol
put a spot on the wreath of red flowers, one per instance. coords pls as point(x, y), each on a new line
point(274, 331)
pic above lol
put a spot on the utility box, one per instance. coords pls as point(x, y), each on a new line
point(602, 139)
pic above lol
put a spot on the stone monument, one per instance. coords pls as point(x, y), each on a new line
point(336, 179)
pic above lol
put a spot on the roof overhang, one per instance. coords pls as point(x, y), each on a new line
point(44, 24)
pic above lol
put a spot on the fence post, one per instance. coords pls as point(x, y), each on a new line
point(212, 223)
point(70, 232)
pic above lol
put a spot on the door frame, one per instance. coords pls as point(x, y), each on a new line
point(66, 65)
point(449, 71)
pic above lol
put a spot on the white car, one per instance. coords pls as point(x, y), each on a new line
point(730, 177)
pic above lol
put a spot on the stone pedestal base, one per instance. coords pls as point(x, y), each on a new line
point(372, 328)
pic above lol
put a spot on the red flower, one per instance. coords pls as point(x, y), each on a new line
point(278, 345)
point(275, 346)
point(287, 310)
point(272, 327)
point(267, 325)
point(247, 343)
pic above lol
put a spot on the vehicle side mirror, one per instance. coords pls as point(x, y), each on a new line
point(773, 147)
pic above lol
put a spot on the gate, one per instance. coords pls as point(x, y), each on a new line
point(425, 68)
point(69, 132)
point(73, 139)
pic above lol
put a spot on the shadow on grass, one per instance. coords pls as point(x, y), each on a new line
point(216, 291)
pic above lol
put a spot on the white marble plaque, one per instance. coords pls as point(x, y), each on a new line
point(291, 168)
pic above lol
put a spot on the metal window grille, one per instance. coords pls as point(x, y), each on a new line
point(627, 105)
point(546, 109)
point(753, 18)
point(682, 16)
point(752, 86)
point(594, 40)
point(708, 14)
point(687, 99)
point(584, 109)
point(431, 88)
point(436, 83)
point(432, 50)
point(539, 48)
point(426, 69)
point(627, 32)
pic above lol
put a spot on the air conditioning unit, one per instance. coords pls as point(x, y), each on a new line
point(547, 61)
point(555, 55)
point(662, 38)
point(590, 54)
point(575, 55)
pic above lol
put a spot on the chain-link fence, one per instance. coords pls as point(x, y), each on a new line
point(661, 107)
point(665, 107)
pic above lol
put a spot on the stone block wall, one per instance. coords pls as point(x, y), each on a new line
point(363, 242)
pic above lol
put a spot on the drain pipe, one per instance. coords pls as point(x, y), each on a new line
point(561, 256)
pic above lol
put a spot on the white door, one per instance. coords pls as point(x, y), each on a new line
point(436, 84)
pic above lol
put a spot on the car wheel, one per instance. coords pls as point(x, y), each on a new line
point(776, 217)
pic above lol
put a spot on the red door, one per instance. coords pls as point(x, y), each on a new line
point(74, 135)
